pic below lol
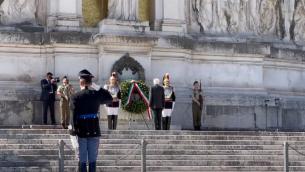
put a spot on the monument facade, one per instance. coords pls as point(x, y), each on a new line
point(249, 54)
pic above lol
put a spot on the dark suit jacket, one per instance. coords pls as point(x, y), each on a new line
point(156, 97)
point(46, 88)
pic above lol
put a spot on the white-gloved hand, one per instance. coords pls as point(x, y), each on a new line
point(95, 86)
point(173, 105)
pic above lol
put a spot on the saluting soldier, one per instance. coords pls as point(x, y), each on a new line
point(113, 107)
point(170, 99)
point(85, 124)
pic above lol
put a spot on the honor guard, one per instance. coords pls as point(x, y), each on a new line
point(113, 107)
point(197, 105)
point(85, 105)
point(170, 99)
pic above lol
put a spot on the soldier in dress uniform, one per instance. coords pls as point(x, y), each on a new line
point(165, 76)
point(113, 107)
point(170, 99)
point(65, 91)
point(197, 105)
point(85, 124)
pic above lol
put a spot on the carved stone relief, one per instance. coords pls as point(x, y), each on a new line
point(299, 22)
point(14, 12)
point(283, 19)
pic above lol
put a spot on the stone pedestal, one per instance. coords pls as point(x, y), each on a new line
point(172, 25)
point(173, 16)
point(110, 25)
point(64, 15)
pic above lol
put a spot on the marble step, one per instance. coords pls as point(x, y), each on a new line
point(39, 129)
point(161, 169)
point(104, 126)
point(160, 163)
point(202, 137)
point(152, 141)
point(148, 151)
point(157, 146)
point(159, 137)
point(156, 157)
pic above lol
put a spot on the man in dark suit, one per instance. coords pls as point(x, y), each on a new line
point(156, 102)
point(48, 90)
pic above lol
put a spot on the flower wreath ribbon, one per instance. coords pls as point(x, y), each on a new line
point(135, 87)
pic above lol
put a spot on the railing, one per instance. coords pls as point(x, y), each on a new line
point(61, 155)
point(286, 155)
point(143, 155)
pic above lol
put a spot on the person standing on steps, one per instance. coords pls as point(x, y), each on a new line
point(197, 105)
point(85, 106)
point(113, 107)
point(48, 89)
point(156, 102)
point(65, 91)
point(170, 99)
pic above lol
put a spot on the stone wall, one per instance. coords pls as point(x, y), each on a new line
point(238, 75)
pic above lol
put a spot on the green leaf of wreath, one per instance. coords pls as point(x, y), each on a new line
point(137, 106)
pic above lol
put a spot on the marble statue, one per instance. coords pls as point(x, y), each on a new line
point(299, 20)
point(230, 11)
point(17, 11)
point(287, 8)
point(204, 14)
point(123, 10)
point(14, 12)
point(237, 16)
point(224, 16)
point(268, 17)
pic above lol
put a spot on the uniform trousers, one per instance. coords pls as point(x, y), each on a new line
point(88, 149)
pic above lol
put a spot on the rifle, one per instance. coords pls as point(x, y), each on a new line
point(200, 89)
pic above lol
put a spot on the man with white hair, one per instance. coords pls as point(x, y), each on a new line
point(156, 102)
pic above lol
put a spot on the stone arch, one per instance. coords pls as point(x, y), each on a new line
point(127, 62)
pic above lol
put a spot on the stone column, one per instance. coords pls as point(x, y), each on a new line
point(64, 15)
point(173, 16)
point(157, 14)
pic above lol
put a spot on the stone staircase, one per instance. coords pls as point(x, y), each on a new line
point(37, 150)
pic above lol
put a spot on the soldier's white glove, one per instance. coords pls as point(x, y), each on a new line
point(95, 86)
point(173, 105)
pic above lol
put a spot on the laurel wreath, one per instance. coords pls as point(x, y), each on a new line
point(133, 106)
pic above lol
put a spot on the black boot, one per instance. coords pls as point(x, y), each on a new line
point(115, 121)
point(197, 128)
point(168, 123)
point(163, 123)
point(92, 167)
point(109, 117)
point(82, 167)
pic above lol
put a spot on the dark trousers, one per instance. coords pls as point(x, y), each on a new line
point(48, 104)
point(166, 123)
point(112, 122)
point(157, 118)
